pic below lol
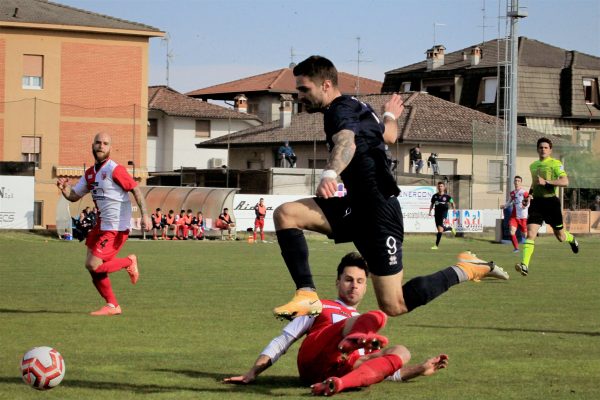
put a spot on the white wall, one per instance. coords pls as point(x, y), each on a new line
point(175, 146)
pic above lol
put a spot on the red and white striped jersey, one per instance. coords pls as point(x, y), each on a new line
point(516, 202)
point(110, 187)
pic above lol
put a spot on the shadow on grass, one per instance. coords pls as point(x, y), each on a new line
point(265, 385)
point(495, 328)
point(12, 311)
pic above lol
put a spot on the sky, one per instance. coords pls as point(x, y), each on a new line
point(217, 41)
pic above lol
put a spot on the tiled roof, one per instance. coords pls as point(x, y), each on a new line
point(532, 53)
point(283, 81)
point(426, 119)
point(45, 12)
point(173, 103)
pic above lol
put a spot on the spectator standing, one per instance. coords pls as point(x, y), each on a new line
point(433, 164)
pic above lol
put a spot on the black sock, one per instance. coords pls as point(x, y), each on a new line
point(422, 289)
point(295, 254)
point(438, 238)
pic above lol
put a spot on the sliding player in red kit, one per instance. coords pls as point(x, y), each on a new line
point(342, 347)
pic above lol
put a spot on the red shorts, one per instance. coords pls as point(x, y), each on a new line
point(519, 223)
point(259, 223)
point(319, 357)
point(105, 244)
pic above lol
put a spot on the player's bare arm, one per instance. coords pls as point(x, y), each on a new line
point(427, 368)
point(67, 190)
point(260, 365)
point(395, 106)
point(141, 201)
point(562, 181)
point(339, 158)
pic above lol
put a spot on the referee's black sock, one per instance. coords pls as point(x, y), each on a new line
point(295, 254)
point(422, 289)
point(438, 238)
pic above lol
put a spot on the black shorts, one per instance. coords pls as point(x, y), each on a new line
point(377, 231)
point(439, 217)
point(546, 209)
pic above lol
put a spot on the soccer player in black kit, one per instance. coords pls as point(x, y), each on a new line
point(440, 202)
point(356, 138)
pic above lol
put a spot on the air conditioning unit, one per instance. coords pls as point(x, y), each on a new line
point(216, 163)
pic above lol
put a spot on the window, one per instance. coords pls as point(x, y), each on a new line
point(38, 206)
point(152, 127)
point(489, 86)
point(590, 90)
point(447, 166)
point(31, 149)
point(202, 128)
point(495, 175)
point(33, 71)
point(405, 87)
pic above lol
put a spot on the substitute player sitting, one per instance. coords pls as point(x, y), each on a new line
point(342, 348)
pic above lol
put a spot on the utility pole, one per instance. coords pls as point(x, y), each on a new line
point(358, 62)
point(513, 14)
point(169, 55)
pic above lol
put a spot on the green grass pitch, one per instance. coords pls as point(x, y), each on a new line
point(202, 311)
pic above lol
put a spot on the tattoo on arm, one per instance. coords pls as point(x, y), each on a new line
point(342, 152)
point(141, 201)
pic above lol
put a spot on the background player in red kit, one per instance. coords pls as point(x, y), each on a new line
point(331, 351)
point(259, 222)
point(518, 216)
point(110, 184)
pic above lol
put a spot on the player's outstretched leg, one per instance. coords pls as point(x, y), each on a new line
point(363, 334)
point(368, 373)
point(305, 302)
point(328, 387)
point(132, 270)
point(474, 268)
point(294, 250)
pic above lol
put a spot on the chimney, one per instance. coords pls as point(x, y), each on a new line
point(475, 55)
point(285, 110)
point(464, 55)
point(435, 57)
point(240, 103)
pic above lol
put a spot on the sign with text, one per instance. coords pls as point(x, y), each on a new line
point(16, 202)
point(243, 209)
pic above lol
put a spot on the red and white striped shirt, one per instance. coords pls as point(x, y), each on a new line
point(110, 187)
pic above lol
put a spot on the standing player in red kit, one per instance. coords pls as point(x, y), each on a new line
point(342, 347)
point(110, 184)
point(259, 222)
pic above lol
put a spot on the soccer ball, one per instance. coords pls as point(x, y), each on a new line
point(42, 368)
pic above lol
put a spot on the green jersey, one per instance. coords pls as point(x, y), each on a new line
point(550, 169)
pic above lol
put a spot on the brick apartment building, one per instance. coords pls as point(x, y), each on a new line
point(66, 74)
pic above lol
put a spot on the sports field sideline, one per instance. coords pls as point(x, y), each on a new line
point(202, 311)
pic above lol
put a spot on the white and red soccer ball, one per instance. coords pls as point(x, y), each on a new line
point(42, 368)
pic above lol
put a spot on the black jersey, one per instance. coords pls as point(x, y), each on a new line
point(368, 174)
point(441, 203)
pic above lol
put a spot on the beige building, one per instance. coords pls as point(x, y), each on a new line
point(466, 141)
